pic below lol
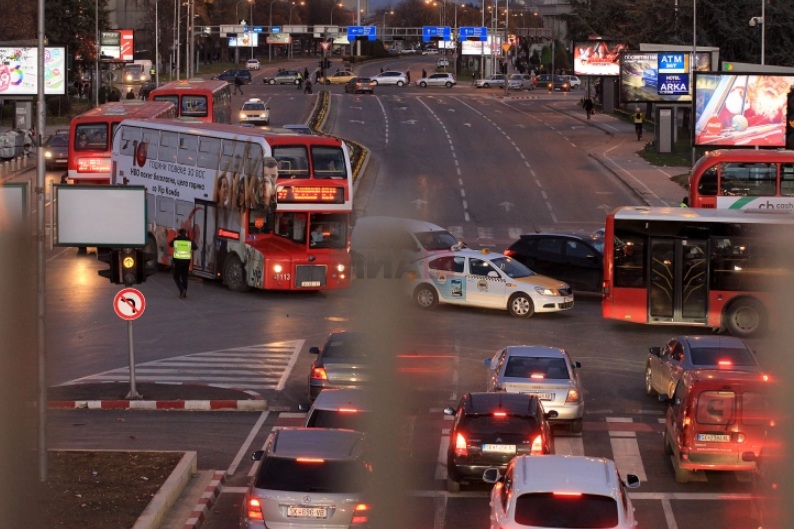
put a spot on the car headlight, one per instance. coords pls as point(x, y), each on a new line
point(545, 291)
point(47, 154)
point(242, 115)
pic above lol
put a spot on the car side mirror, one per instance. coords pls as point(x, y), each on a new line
point(304, 407)
point(487, 363)
point(632, 481)
point(577, 364)
point(449, 411)
point(655, 351)
point(314, 350)
point(491, 475)
point(257, 455)
point(493, 274)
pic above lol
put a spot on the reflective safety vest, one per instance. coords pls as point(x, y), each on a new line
point(182, 248)
point(638, 117)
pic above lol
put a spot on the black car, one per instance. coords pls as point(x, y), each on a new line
point(492, 428)
point(574, 258)
point(56, 150)
point(229, 75)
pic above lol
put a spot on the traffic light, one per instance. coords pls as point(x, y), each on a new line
point(128, 260)
point(112, 258)
point(147, 265)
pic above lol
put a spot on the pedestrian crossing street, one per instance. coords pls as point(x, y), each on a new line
point(251, 368)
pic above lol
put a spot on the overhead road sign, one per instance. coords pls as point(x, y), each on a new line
point(431, 33)
point(473, 33)
point(361, 33)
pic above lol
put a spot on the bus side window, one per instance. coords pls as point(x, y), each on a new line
point(762, 179)
point(188, 149)
point(209, 153)
point(735, 179)
point(787, 179)
point(167, 151)
point(707, 185)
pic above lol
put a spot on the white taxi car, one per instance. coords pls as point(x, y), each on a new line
point(255, 111)
point(560, 491)
point(483, 279)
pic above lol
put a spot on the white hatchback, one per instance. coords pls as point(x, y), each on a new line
point(480, 278)
point(252, 64)
point(390, 77)
point(561, 492)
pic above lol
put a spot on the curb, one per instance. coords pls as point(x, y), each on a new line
point(178, 405)
point(207, 500)
point(154, 513)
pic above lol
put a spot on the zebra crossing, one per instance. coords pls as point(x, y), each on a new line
point(253, 368)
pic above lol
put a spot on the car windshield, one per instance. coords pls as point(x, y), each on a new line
point(58, 140)
point(436, 240)
point(536, 367)
point(287, 474)
point(254, 106)
point(714, 356)
point(573, 511)
point(512, 268)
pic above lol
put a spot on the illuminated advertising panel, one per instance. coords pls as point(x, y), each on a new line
point(641, 79)
point(741, 110)
point(19, 71)
point(492, 46)
point(598, 57)
point(251, 40)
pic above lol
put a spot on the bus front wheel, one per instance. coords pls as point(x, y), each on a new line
point(745, 317)
point(234, 274)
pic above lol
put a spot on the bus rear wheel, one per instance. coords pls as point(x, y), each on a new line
point(234, 274)
point(745, 318)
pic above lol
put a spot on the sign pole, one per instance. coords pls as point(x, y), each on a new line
point(133, 394)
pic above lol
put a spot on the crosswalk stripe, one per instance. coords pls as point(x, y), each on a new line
point(626, 450)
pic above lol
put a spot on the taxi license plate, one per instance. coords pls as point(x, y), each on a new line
point(714, 438)
point(541, 396)
point(499, 449)
point(306, 512)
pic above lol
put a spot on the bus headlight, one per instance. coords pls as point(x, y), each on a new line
point(278, 268)
point(340, 268)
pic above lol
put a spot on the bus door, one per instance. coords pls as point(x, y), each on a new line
point(204, 237)
point(678, 283)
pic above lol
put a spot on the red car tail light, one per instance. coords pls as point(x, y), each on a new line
point(360, 514)
point(499, 414)
point(255, 509)
point(537, 446)
point(460, 445)
point(573, 396)
point(318, 373)
point(537, 375)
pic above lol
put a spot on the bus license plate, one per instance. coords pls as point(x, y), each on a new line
point(310, 283)
point(306, 512)
point(714, 438)
point(499, 449)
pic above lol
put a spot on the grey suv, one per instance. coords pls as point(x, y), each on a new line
point(309, 477)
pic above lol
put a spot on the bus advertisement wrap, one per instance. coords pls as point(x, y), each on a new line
point(639, 76)
point(741, 110)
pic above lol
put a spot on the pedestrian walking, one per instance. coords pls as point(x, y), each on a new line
point(638, 119)
point(587, 104)
point(306, 74)
point(238, 84)
point(424, 75)
point(300, 80)
point(308, 87)
point(183, 254)
point(408, 76)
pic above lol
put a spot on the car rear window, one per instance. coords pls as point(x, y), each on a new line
point(715, 407)
point(338, 419)
point(527, 367)
point(347, 347)
point(488, 424)
point(713, 356)
point(574, 511)
point(295, 475)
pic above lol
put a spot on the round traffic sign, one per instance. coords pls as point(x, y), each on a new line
point(129, 304)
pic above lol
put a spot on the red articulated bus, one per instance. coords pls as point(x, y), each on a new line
point(209, 101)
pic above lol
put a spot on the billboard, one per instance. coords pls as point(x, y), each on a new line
point(251, 40)
point(492, 46)
point(741, 110)
point(597, 57)
point(116, 46)
point(640, 77)
point(19, 71)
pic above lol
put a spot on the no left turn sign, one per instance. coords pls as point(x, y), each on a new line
point(129, 304)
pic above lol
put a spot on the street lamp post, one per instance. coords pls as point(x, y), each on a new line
point(251, 22)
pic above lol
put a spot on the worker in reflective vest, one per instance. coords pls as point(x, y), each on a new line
point(183, 253)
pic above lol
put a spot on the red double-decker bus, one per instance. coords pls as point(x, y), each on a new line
point(91, 133)
point(743, 179)
point(700, 267)
point(209, 101)
point(267, 210)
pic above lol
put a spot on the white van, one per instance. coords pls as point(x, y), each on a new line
point(139, 71)
point(385, 246)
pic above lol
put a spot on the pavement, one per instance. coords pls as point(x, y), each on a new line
point(193, 492)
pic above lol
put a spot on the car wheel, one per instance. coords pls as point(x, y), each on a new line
point(326, 82)
point(649, 382)
point(423, 84)
point(400, 83)
point(576, 426)
point(271, 81)
point(448, 84)
point(681, 474)
point(521, 305)
point(668, 448)
point(486, 85)
point(745, 318)
point(375, 81)
point(234, 274)
point(425, 296)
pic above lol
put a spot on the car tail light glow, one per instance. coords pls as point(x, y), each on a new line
point(537, 446)
point(740, 438)
point(567, 493)
point(360, 514)
point(724, 363)
point(460, 445)
point(537, 375)
point(310, 460)
point(573, 396)
point(499, 414)
point(318, 373)
point(255, 509)
point(347, 410)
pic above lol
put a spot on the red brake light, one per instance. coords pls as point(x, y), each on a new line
point(537, 446)
point(460, 445)
point(500, 414)
point(566, 493)
point(536, 375)
point(360, 514)
point(255, 509)
point(318, 373)
point(724, 363)
point(310, 460)
point(347, 410)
